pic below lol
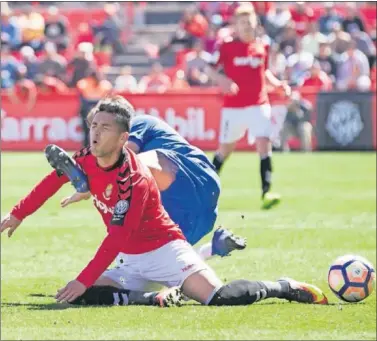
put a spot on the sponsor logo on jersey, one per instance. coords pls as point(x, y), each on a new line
point(254, 62)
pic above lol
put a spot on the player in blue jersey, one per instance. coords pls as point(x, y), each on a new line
point(188, 183)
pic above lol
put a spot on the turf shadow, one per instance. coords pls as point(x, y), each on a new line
point(346, 304)
point(261, 304)
point(254, 305)
point(40, 295)
point(43, 306)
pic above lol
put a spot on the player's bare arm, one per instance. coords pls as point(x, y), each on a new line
point(277, 83)
point(226, 84)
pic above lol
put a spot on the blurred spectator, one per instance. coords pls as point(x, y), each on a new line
point(365, 44)
point(49, 85)
point(179, 81)
point(196, 62)
point(32, 26)
point(125, 81)
point(260, 32)
point(85, 34)
point(299, 64)
point(318, 78)
point(297, 123)
point(209, 8)
point(277, 62)
point(352, 18)
point(262, 8)
point(91, 90)
point(327, 20)
point(339, 40)
point(326, 60)
point(192, 25)
point(310, 41)
point(82, 63)
point(56, 29)
point(353, 71)
point(109, 33)
point(210, 40)
point(53, 64)
point(156, 81)
point(10, 28)
point(277, 19)
point(24, 92)
point(11, 69)
point(302, 15)
point(224, 9)
point(287, 40)
point(31, 63)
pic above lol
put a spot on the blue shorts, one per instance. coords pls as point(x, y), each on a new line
point(191, 200)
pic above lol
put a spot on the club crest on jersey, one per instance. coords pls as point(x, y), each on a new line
point(121, 207)
point(108, 192)
point(120, 211)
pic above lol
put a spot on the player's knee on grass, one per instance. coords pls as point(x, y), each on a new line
point(201, 286)
point(205, 287)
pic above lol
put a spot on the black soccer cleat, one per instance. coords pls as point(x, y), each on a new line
point(64, 164)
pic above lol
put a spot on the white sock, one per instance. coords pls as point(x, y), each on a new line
point(205, 251)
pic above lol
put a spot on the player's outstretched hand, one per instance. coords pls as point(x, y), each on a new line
point(9, 222)
point(76, 197)
point(70, 292)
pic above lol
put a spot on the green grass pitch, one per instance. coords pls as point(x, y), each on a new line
point(328, 209)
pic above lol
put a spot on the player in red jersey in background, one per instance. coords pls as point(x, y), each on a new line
point(153, 248)
point(243, 58)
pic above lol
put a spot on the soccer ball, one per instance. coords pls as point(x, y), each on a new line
point(351, 278)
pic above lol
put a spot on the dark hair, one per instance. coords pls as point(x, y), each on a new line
point(119, 107)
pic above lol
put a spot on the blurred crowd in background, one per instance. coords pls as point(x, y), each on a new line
point(323, 45)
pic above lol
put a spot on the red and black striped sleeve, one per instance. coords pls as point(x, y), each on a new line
point(44, 190)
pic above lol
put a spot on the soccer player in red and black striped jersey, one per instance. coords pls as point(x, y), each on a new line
point(151, 245)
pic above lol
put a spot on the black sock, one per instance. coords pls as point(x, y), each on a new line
point(244, 292)
point(108, 295)
point(218, 162)
point(265, 173)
